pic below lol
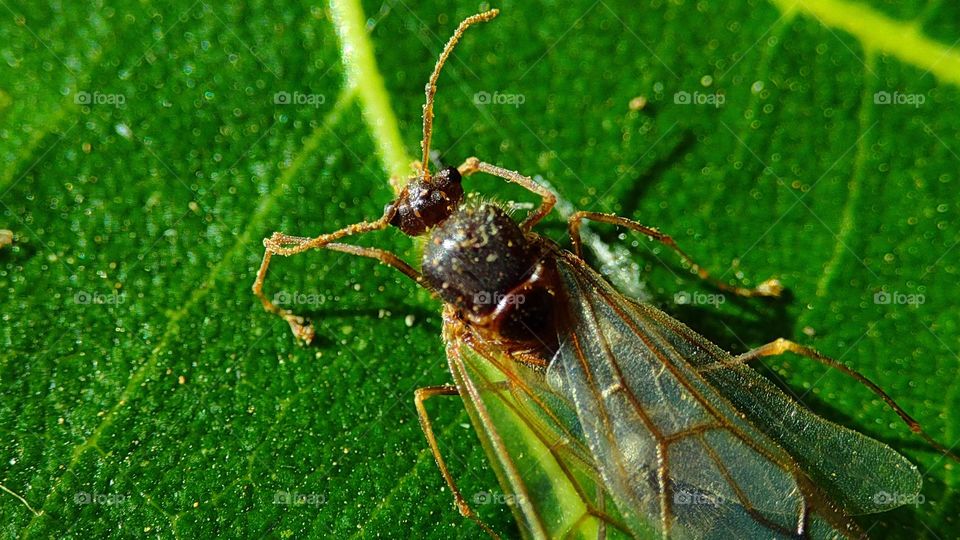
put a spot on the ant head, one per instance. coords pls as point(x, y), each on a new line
point(427, 202)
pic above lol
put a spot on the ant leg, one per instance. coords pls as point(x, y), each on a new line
point(770, 287)
point(381, 255)
point(781, 346)
point(419, 397)
point(548, 199)
point(286, 245)
point(300, 327)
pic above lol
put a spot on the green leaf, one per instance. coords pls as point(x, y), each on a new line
point(145, 155)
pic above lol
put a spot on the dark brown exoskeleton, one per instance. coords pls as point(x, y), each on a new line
point(476, 257)
point(496, 276)
point(505, 290)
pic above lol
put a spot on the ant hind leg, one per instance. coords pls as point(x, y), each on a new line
point(781, 346)
point(419, 397)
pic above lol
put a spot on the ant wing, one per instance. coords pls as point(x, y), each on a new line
point(861, 474)
point(534, 443)
point(667, 444)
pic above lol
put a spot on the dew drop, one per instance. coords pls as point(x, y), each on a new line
point(124, 131)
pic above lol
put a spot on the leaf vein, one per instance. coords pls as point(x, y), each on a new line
point(141, 375)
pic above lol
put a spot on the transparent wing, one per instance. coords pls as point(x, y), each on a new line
point(667, 443)
point(533, 441)
point(861, 474)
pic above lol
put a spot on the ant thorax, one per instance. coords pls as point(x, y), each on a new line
point(501, 279)
point(475, 255)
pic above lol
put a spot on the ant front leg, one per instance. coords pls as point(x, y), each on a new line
point(548, 199)
point(286, 245)
point(770, 287)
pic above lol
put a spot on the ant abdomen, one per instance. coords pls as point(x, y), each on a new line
point(427, 203)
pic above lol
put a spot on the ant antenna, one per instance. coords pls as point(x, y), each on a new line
point(432, 84)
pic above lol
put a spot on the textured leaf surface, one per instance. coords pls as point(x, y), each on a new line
point(143, 155)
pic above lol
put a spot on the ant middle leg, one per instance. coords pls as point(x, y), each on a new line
point(770, 287)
